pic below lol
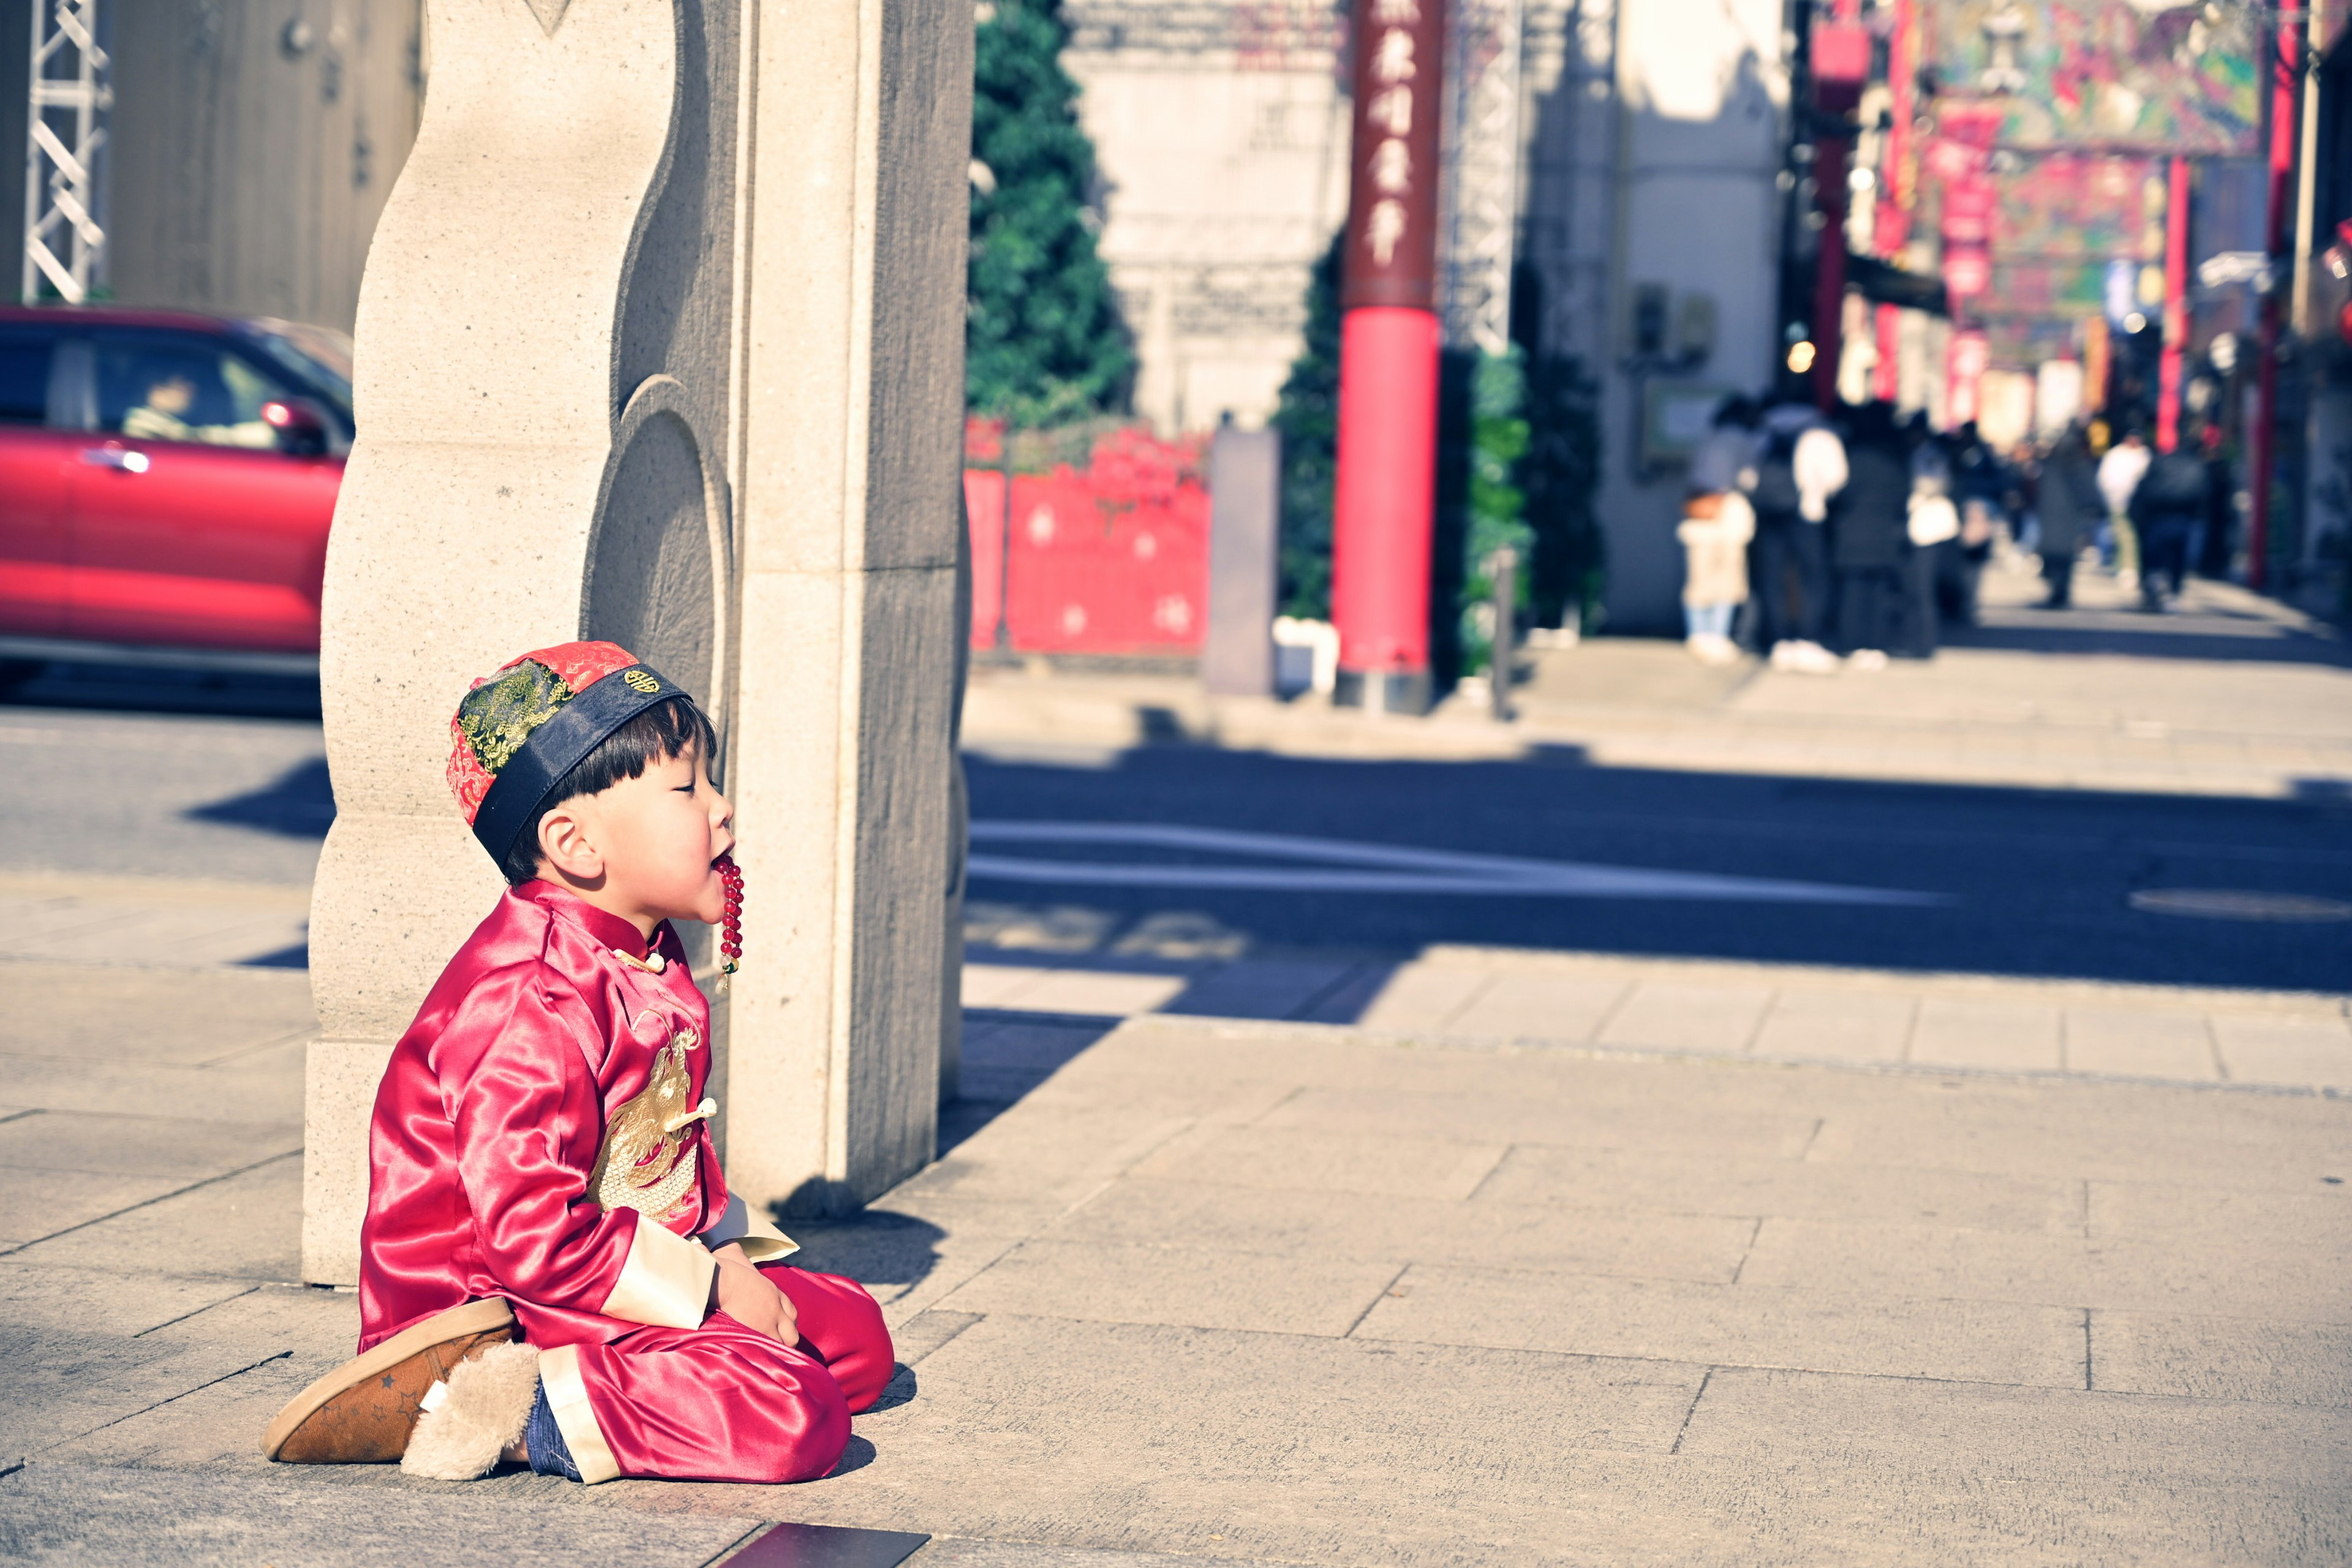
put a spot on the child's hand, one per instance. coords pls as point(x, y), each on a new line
point(746, 1296)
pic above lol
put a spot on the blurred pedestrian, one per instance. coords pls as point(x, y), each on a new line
point(1931, 523)
point(2168, 506)
point(2067, 501)
point(2216, 540)
point(1981, 484)
point(2119, 475)
point(1717, 524)
point(1800, 465)
point(1867, 542)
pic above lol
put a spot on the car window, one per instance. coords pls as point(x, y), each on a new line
point(183, 390)
point(25, 379)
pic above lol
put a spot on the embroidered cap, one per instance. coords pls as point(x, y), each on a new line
point(519, 732)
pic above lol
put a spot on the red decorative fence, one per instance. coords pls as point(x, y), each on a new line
point(1113, 559)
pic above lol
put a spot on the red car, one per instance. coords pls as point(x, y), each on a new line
point(166, 480)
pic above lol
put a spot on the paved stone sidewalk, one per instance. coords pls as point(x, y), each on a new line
point(1260, 1292)
point(2235, 695)
point(1765, 1012)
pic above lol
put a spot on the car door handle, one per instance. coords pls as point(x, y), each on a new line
point(115, 458)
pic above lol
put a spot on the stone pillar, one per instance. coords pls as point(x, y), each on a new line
point(850, 407)
point(1244, 564)
point(593, 388)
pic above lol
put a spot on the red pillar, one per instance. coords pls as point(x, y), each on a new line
point(2262, 446)
point(1830, 173)
point(1384, 497)
point(1840, 65)
point(2176, 306)
point(1890, 230)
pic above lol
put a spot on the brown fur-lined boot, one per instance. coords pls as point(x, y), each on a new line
point(478, 1414)
point(363, 1412)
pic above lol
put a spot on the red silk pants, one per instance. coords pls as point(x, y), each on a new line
point(722, 1403)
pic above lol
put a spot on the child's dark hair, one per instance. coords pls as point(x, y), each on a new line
point(666, 729)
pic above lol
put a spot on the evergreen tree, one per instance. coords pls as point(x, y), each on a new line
point(1044, 341)
point(1309, 419)
point(1560, 474)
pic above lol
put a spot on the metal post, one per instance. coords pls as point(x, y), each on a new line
point(1503, 571)
point(65, 115)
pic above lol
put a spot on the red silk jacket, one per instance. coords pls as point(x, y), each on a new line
point(541, 1134)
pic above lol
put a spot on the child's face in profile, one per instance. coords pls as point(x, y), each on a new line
point(647, 849)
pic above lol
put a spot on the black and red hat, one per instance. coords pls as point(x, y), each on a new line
point(519, 732)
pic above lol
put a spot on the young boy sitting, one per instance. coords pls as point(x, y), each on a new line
point(551, 1270)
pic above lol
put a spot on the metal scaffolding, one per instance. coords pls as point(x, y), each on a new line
point(66, 111)
point(1482, 169)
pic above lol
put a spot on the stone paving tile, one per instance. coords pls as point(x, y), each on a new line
point(1422, 1000)
point(2205, 1357)
point(99, 1516)
point(1908, 1427)
point(1282, 1225)
point(1744, 1325)
point(1367, 1164)
point(1473, 1117)
point(2308, 1050)
point(2052, 1270)
point(107, 930)
point(1239, 1444)
point(994, 984)
point(2015, 1035)
point(261, 1085)
point(1541, 1007)
point(1635, 1181)
point(1102, 1282)
point(1665, 1016)
point(1095, 993)
point(2086, 1129)
point(247, 1226)
point(178, 1015)
point(35, 1203)
point(1260, 988)
point(2135, 1044)
point(1051, 1152)
point(2318, 1217)
point(141, 1145)
point(68, 1299)
point(209, 1419)
point(1838, 1026)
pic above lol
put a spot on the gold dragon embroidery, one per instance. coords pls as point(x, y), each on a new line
point(645, 1162)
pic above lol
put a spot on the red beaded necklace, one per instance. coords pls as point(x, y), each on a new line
point(731, 923)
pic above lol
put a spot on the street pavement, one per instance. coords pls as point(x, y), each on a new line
point(1639, 1133)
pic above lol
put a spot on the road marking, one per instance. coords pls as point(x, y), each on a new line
point(2233, 904)
point(1390, 869)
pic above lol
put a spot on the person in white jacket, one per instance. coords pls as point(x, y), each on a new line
point(1799, 465)
point(2120, 472)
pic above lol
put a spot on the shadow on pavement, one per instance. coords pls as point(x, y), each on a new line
point(2121, 633)
point(298, 804)
point(2023, 881)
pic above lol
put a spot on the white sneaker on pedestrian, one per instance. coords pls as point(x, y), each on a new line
point(1800, 657)
point(1712, 648)
point(1869, 661)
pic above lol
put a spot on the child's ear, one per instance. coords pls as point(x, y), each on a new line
point(564, 844)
